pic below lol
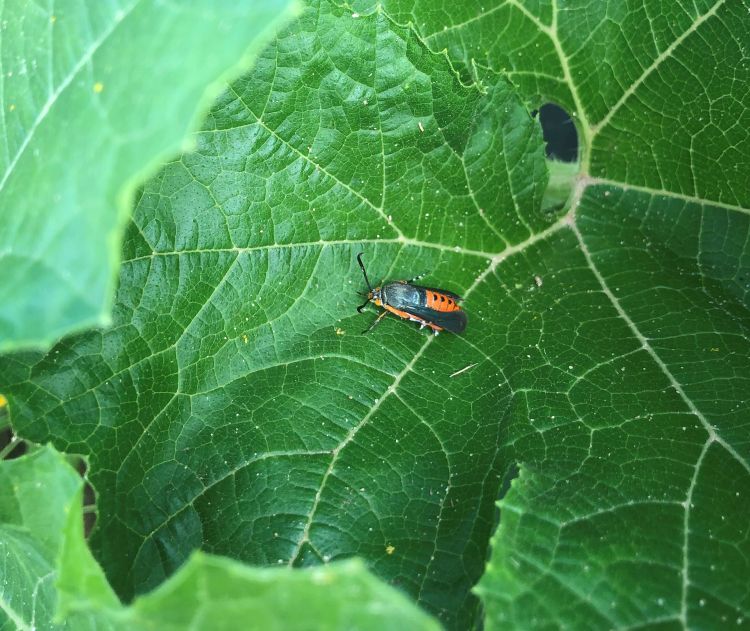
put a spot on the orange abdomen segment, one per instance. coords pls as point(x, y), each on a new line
point(413, 318)
point(440, 302)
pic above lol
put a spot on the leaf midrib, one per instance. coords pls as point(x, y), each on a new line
point(406, 241)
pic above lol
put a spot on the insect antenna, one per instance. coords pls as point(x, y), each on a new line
point(362, 265)
point(367, 280)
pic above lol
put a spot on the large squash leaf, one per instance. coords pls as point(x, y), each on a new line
point(234, 405)
point(94, 95)
point(48, 579)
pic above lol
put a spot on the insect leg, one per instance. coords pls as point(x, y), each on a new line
point(375, 323)
point(363, 305)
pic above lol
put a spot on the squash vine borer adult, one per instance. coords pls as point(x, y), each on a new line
point(434, 308)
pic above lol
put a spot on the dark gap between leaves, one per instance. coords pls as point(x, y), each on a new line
point(10, 446)
point(510, 475)
point(13, 447)
point(89, 499)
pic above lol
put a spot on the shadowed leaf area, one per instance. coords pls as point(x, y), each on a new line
point(235, 407)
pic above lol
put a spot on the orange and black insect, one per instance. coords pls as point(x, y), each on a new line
point(435, 308)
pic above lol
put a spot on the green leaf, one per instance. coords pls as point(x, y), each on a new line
point(631, 422)
point(42, 546)
point(40, 516)
point(341, 595)
point(234, 405)
point(94, 96)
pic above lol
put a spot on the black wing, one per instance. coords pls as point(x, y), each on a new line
point(450, 294)
point(453, 321)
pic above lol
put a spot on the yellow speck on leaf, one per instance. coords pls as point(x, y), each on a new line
point(3, 401)
point(98, 87)
point(714, 350)
point(53, 18)
point(12, 106)
point(390, 549)
point(244, 338)
point(340, 331)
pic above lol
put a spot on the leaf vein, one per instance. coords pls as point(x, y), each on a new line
point(654, 65)
point(712, 434)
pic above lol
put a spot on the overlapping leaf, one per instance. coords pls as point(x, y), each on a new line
point(92, 93)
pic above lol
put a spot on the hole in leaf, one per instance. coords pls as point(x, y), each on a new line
point(559, 133)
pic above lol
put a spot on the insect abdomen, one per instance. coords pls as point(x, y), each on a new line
point(439, 301)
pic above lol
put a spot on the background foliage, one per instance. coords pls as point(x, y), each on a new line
point(233, 405)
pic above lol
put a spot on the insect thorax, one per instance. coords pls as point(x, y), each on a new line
point(400, 295)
